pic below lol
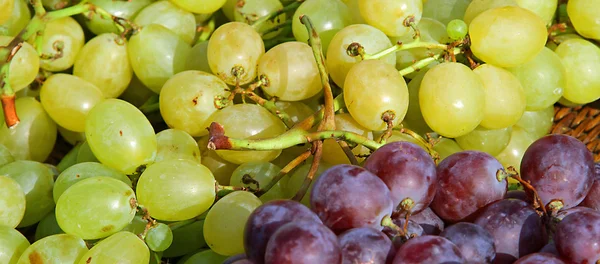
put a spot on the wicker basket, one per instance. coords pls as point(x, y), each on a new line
point(582, 122)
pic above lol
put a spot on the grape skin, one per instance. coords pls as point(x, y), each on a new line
point(577, 237)
point(167, 14)
point(537, 258)
point(592, 200)
point(428, 249)
point(12, 202)
point(12, 245)
point(60, 248)
point(122, 247)
point(429, 221)
point(365, 245)
point(389, 15)
point(475, 243)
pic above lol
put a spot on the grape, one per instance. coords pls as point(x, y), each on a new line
point(536, 258)
point(375, 81)
point(81, 171)
point(475, 243)
point(47, 226)
point(165, 13)
point(18, 20)
point(5, 156)
point(120, 136)
point(365, 245)
point(24, 65)
point(200, 7)
point(303, 242)
point(467, 182)
point(518, 194)
point(261, 172)
point(137, 225)
point(581, 59)
point(159, 237)
point(176, 144)
point(413, 229)
point(297, 111)
point(537, 123)
point(206, 256)
point(36, 182)
point(491, 141)
point(559, 167)
point(512, 155)
point(12, 202)
point(68, 100)
point(296, 180)
point(550, 248)
point(225, 222)
point(414, 117)
point(85, 154)
point(95, 208)
point(389, 15)
point(253, 10)
point(507, 36)
point(505, 99)
point(56, 4)
point(235, 45)
point(370, 38)
point(446, 147)
point(354, 11)
point(176, 190)
point(445, 10)
point(592, 200)
point(6, 5)
point(477, 7)
point(123, 9)
point(399, 136)
point(67, 31)
point(333, 153)
point(428, 249)
point(516, 228)
point(291, 70)
point(457, 29)
point(198, 59)
point(186, 239)
point(136, 93)
point(583, 16)
point(221, 169)
point(61, 248)
point(577, 237)
point(452, 97)
point(429, 221)
point(71, 137)
point(122, 247)
point(12, 245)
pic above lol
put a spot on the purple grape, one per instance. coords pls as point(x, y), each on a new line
point(518, 194)
point(235, 258)
point(563, 213)
point(348, 196)
point(303, 242)
point(577, 237)
point(429, 221)
point(467, 182)
point(538, 258)
point(592, 200)
point(516, 228)
point(559, 167)
point(407, 170)
point(550, 248)
point(266, 219)
point(475, 243)
point(428, 249)
point(365, 245)
point(413, 230)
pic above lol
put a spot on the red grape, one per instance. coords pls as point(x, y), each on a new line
point(475, 243)
point(592, 200)
point(518, 194)
point(428, 249)
point(563, 213)
point(537, 258)
point(577, 237)
point(365, 245)
point(235, 259)
point(429, 221)
point(550, 248)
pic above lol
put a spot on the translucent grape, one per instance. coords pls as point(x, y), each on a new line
point(200, 6)
point(261, 173)
point(446, 147)
point(85, 154)
point(187, 239)
point(457, 29)
point(159, 237)
point(581, 59)
point(399, 136)
point(176, 144)
point(198, 59)
point(477, 7)
point(67, 31)
point(71, 137)
point(122, 9)
point(428, 249)
point(205, 256)
point(354, 11)
point(221, 169)
point(5, 156)
point(297, 111)
point(252, 10)
point(12, 245)
point(12, 202)
point(583, 15)
point(122, 247)
point(18, 20)
point(414, 117)
point(327, 17)
point(24, 65)
point(60, 248)
point(47, 226)
point(492, 141)
point(520, 140)
point(537, 123)
point(445, 10)
point(333, 153)
point(81, 171)
point(167, 14)
point(389, 16)
point(545, 9)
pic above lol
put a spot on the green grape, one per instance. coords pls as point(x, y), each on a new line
point(248, 11)
point(452, 98)
point(537, 123)
point(111, 74)
point(248, 121)
point(225, 222)
point(584, 16)
point(375, 81)
point(581, 59)
point(6, 5)
point(36, 182)
point(235, 45)
point(390, 15)
point(477, 7)
point(297, 111)
point(355, 11)
point(564, 102)
point(457, 29)
point(187, 101)
point(137, 225)
point(370, 38)
point(24, 65)
point(220, 168)
point(123, 247)
point(446, 147)
point(67, 31)
point(327, 17)
point(85, 154)
point(155, 64)
point(165, 13)
point(556, 40)
point(399, 136)
point(159, 237)
point(261, 172)
point(507, 36)
point(512, 155)
point(68, 99)
point(12, 202)
point(289, 154)
point(296, 180)
point(545, 9)
point(187, 238)
point(414, 116)
point(198, 59)
point(56, 4)
point(200, 6)
point(71, 137)
point(12, 245)
point(81, 171)
point(229, 8)
point(504, 97)
point(206, 257)
point(47, 226)
point(176, 190)
point(69, 159)
point(5, 156)
point(333, 153)
point(120, 136)
point(445, 10)
point(122, 9)
point(291, 70)
point(136, 93)
point(176, 144)
point(491, 141)
point(543, 79)
point(62, 248)
point(17, 20)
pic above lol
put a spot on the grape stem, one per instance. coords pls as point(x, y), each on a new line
point(388, 118)
point(426, 61)
point(289, 167)
point(314, 166)
point(502, 174)
point(151, 105)
point(355, 49)
point(388, 222)
point(276, 28)
point(346, 148)
point(292, 6)
point(223, 190)
point(428, 145)
point(206, 30)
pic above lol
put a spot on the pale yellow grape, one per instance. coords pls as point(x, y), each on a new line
point(355, 11)
point(111, 74)
point(445, 10)
point(176, 190)
point(8, 6)
point(446, 147)
point(263, 173)
point(229, 8)
point(165, 13)
point(373, 81)
point(81, 171)
point(581, 59)
point(67, 31)
point(57, 249)
point(200, 6)
point(176, 144)
point(235, 45)
point(491, 141)
point(250, 11)
point(187, 100)
point(120, 136)
point(248, 121)
point(68, 99)
point(543, 79)
point(136, 93)
point(399, 136)
point(537, 123)
point(333, 153)
point(507, 36)
point(297, 111)
point(504, 97)
point(389, 15)
point(560, 39)
point(5, 156)
point(584, 16)
point(568, 103)
point(12, 202)
point(19, 18)
point(221, 169)
point(291, 70)
point(198, 59)
point(225, 222)
point(545, 9)
point(372, 39)
point(452, 99)
point(123, 248)
point(414, 117)
point(477, 7)
point(123, 9)
point(512, 155)
point(71, 137)
point(24, 65)
point(12, 245)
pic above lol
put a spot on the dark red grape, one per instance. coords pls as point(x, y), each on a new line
point(467, 182)
point(475, 243)
point(407, 170)
point(303, 242)
point(516, 228)
point(559, 167)
point(235, 259)
point(539, 258)
point(428, 249)
point(429, 221)
point(413, 229)
point(266, 219)
point(577, 237)
point(365, 245)
point(518, 194)
point(348, 196)
point(592, 200)
point(563, 213)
